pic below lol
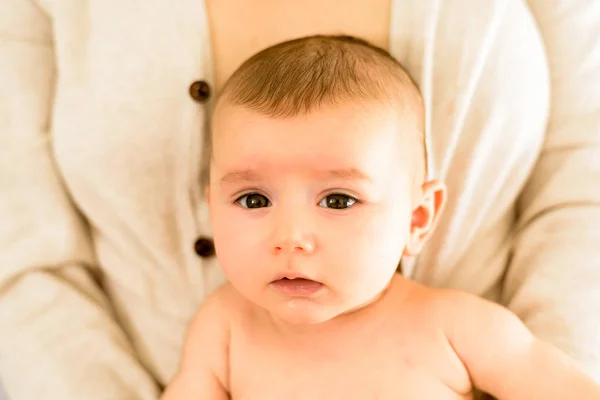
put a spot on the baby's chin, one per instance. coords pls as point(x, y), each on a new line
point(304, 312)
point(323, 312)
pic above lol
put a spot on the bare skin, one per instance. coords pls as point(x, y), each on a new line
point(413, 342)
point(337, 359)
point(268, 359)
point(240, 29)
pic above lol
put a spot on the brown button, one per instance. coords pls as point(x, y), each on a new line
point(204, 247)
point(200, 91)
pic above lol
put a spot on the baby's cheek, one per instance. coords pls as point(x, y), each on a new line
point(226, 256)
point(380, 252)
point(238, 250)
point(226, 235)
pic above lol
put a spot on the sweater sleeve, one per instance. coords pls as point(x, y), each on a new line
point(58, 337)
point(553, 282)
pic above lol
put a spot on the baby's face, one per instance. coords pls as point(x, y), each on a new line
point(325, 197)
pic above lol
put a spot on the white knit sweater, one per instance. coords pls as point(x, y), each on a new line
point(100, 158)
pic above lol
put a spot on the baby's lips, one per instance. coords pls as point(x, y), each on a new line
point(291, 276)
point(297, 287)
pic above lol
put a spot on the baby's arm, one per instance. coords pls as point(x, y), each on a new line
point(204, 367)
point(505, 360)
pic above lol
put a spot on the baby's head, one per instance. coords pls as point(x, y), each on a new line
point(317, 171)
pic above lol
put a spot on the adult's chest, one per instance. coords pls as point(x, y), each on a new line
point(241, 28)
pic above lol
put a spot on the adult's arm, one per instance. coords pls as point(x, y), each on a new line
point(58, 339)
point(553, 282)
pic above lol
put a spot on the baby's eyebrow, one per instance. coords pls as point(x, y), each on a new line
point(249, 175)
point(246, 175)
point(347, 173)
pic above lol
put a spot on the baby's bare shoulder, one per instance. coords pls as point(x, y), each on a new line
point(451, 308)
point(448, 300)
point(206, 347)
point(224, 304)
point(466, 313)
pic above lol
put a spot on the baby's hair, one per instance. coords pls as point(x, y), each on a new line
point(299, 76)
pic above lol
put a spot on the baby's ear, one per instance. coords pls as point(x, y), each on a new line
point(425, 215)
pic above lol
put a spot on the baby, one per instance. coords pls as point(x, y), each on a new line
point(317, 189)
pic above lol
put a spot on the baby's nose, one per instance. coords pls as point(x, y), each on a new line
point(293, 231)
point(302, 244)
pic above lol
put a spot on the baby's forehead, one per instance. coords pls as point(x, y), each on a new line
point(346, 126)
point(341, 137)
point(357, 118)
point(367, 120)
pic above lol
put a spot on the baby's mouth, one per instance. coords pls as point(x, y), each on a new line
point(296, 287)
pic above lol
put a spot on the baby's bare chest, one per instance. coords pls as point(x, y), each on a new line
point(387, 365)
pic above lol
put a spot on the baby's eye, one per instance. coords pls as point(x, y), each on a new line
point(338, 201)
point(253, 200)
